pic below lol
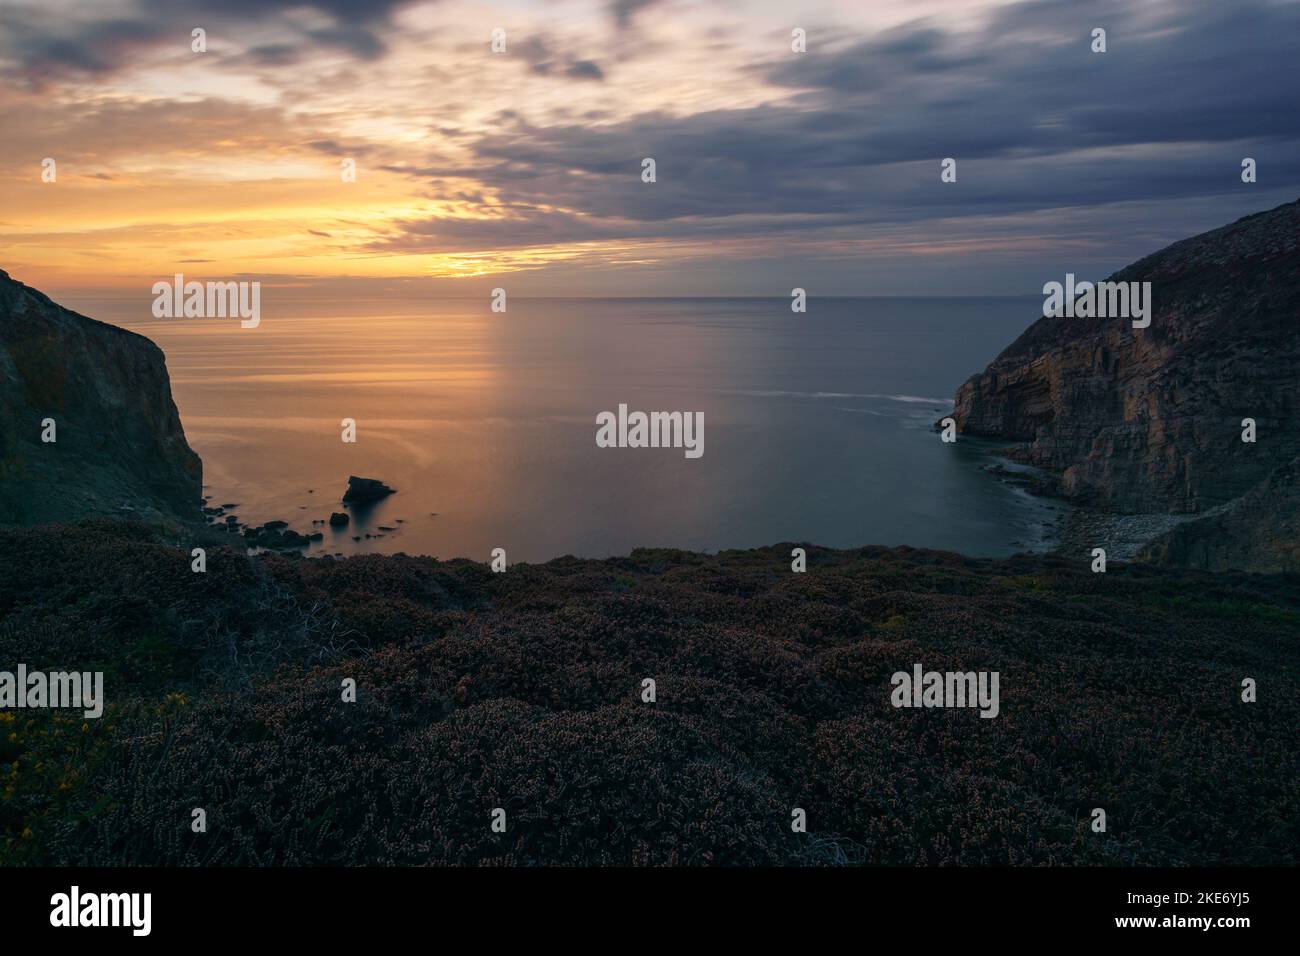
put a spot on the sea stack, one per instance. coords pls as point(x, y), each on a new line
point(366, 490)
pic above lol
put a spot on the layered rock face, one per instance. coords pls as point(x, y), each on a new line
point(1150, 420)
point(120, 448)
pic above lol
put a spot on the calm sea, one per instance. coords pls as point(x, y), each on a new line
point(816, 425)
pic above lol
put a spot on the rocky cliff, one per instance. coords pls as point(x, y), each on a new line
point(119, 445)
point(1150, 420)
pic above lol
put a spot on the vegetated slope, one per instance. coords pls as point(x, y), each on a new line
point(523, 691)
point(1260, 530)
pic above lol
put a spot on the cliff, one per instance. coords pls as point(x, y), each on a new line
point(1150, 420)
point(119, 446)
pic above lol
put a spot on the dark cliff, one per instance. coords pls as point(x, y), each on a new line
point(120, 447)
point(1150, 420)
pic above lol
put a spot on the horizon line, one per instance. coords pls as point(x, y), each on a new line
point(477, 298)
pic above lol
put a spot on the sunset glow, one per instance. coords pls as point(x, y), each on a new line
point(473, 165)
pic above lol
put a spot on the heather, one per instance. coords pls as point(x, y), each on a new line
point(522, 690)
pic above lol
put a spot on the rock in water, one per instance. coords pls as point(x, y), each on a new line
point(363, 490)
point(1150, 420)
point(118, 434)
point(338, 519)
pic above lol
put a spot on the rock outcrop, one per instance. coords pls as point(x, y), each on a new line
point(366, 490)
point(119, 448)
point(1150, 420)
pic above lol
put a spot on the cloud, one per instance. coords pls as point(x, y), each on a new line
point(40, 42)
point(624, 11)
point(124, 136)
point(37, 44)
point(830, 155)
point(345, 11)
point(1035, 119)
point(538, 52)
point(275, 54)
point(584, 70)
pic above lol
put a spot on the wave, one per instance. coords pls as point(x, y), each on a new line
point(916, 399)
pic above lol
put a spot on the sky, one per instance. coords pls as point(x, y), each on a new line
point(522, 169)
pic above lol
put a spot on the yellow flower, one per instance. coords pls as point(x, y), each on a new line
point(27, 833)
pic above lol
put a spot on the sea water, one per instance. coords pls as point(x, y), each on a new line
point(819, 424)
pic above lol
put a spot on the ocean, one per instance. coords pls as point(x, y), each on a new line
point(816, 426)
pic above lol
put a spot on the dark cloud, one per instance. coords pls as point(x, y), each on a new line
point(275, 54)
point(345, 11)
point(362, 43)
point(538, 52)
point(879, 63)
point(42, 44)
point(584, 70)
point(623, 11)
point(332, 148)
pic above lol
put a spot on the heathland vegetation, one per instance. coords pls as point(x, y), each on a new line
point(524, 691)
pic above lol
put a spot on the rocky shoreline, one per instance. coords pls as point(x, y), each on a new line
point(277, 535)
point(1079, 529)
point(1122, 537)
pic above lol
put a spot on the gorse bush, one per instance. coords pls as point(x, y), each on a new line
point(522, 691)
